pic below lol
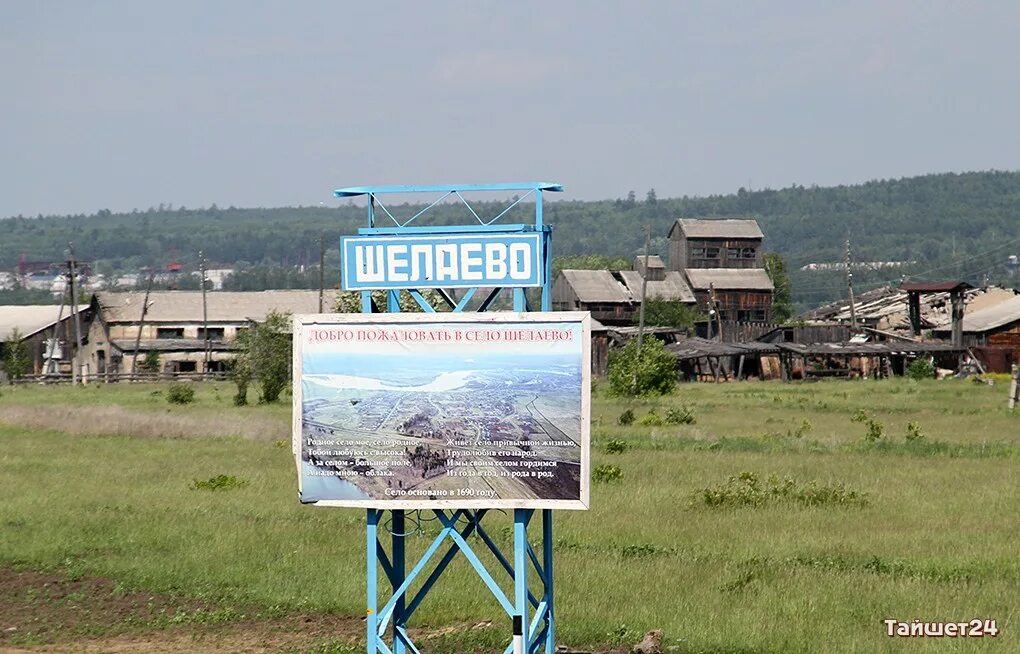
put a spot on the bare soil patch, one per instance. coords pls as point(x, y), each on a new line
point(42, 612)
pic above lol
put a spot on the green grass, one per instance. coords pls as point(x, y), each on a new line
point(936, 538)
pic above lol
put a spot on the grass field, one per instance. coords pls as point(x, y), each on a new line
point(100, 482)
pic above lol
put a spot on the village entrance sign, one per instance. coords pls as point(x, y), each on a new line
point(451, 413)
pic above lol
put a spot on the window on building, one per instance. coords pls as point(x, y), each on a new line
point(169, 332)
point(215, 333)
point(185, 366)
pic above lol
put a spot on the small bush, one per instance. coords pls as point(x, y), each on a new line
point(605, 474)
point(747, 489)
point(680, 416)
point(219, 482)
point(179, 393)
point(616, 446)
point(653, 371)
point(651, 419)
point(802, 430)
point(626, 418)
point(914, 432)
point(921, 368)
point(875, 429)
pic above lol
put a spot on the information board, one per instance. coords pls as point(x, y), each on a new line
point(466, 410)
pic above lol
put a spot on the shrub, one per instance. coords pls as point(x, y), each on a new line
point(218, 483)
point(651, 419)
point(804, 428)
point(914, 432)
point(626, 418)
point(606, 473)
point(875, 428)
point(650, 372)
point(17, 359)
point(680, 416)
point(179, 393)
point(150, 362)
point(747, 489)
point(921, 368)
point(616, 446)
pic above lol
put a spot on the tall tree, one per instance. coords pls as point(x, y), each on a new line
point(17, 360)
point(782, 304)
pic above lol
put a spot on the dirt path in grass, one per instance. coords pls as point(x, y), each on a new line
point(42, 612)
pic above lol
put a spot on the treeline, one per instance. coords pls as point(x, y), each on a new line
point(959, 225)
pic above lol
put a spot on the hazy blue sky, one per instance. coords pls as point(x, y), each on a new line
point(129, 104)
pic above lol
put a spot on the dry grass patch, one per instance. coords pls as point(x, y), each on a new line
point(121, 421)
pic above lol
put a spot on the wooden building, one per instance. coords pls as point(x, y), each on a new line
point(993, 334)
point(739, 295)
point(699, 243)
point(614, 296)
point(48, 332)
point(174, 327)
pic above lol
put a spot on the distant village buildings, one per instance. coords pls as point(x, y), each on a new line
point(714, 265)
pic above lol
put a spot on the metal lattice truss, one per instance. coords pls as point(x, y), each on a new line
point(538, 633)
point(444, 300)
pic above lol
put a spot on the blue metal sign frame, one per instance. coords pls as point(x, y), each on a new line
point(531, 611)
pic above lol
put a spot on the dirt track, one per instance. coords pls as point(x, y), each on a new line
point(46, 613)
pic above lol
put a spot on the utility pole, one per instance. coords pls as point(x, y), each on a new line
point(141, 324)
point(205, 314)
point(322, 268)
point(715, 308)
point(850, 288)
point(641, 309)
point(76, 359)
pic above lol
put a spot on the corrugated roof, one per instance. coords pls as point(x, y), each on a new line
point(719, 228)
point(223, 306)
point(596, 286)
point(729, 279)
point(672, 287)
point(31, 318)
point(985, 320)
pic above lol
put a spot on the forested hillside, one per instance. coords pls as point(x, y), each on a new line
point(950, 225)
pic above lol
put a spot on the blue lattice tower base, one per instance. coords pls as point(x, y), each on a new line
point(461, 533)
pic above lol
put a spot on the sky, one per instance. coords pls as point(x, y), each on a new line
point(123, 105)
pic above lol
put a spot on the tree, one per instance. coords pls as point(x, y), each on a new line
point(150, 362)
point(654, 370)
point(263, 353)
point(650, 197)
point(17, 360)
point(350, 301)
point(670, 313)
point(782, 305)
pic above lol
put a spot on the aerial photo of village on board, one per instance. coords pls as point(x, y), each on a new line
point(497, 420)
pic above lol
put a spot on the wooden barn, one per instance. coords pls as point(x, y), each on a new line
point(993, 334)
point(739, 295)
point(614, 296)
point(700, 243)
point(48, 332)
